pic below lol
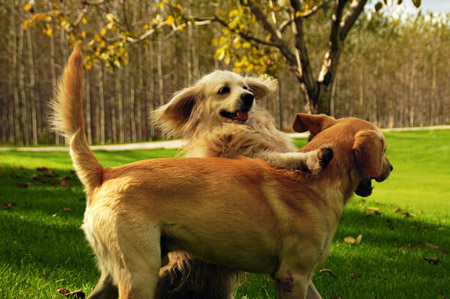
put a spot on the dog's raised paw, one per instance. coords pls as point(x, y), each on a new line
point(325, 156)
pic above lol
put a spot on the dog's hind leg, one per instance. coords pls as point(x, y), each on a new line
point(105, 289)
point(137, 258)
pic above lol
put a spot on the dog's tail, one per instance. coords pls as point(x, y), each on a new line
point(67, 118)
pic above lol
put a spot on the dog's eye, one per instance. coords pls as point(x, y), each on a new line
point(224, 90)
point(245, 87)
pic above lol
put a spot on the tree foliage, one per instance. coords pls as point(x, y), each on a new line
point(255, 35)
point(393, 72)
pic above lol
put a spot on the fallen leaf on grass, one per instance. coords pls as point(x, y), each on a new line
point(8, 206)
point(408, 214)
point(396, 210)
point(355, 275)
point(432, 260)
point(353, 241)
point(358, 240)
point(65, 184)
point(430, 245)
point(350, 240)
point(372, 209)
point(67, 210)
point(328, 271)
point(75, 294)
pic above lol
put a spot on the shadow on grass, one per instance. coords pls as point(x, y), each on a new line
point(41, 231)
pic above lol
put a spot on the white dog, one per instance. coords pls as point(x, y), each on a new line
point(218, 119)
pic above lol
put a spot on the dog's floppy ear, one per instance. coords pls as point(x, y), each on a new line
point(368, 148)
point(173, 116)
point(262, 86)
point(313, 123)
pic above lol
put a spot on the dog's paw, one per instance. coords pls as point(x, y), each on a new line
point(325, 156)
point(319, 159)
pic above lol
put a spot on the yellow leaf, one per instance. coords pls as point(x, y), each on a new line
point(220, 54)
point(49, 31)
point(358, 240)
point(89, 66)
point(350, 240)
point(111, 17)
point(170, 20)
point(27, 7)
point(26, 24)
point(84, 21)
point(103, 32)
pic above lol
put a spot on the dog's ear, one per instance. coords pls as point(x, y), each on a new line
point(262, 86)
point(313, 123)
point(173, 116)
point(368, 148)
point(180, 107)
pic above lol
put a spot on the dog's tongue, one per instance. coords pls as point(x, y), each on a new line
point(241, 115)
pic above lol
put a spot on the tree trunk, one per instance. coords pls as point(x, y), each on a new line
point(87, 100)
point(22, 89)
point(14, 79)
point(33, 95)
point(120, 104)
point(101, 91)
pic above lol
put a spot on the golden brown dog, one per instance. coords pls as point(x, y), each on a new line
point(243, 213)
point(218, 117)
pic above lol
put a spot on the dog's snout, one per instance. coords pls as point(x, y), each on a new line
point(247, 99)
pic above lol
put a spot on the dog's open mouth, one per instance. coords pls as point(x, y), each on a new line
point(241, 115)
point(364, 188)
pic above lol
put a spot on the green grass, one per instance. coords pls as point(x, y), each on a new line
point(43, 248)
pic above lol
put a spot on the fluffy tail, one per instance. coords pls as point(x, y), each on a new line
point(67, 118)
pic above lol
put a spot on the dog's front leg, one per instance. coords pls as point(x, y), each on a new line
point(105, 289)
point(310, 162)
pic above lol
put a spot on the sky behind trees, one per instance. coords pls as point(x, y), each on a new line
point(435, 6)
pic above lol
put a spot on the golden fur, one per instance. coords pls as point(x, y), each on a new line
point(243, 213)
point(207, 118)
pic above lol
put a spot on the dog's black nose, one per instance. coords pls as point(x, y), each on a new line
point(392, 167)
point(247, 99)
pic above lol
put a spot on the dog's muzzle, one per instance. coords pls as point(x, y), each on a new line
point(242, 113)
point(365, 186)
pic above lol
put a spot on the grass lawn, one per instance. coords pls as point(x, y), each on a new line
point(403, 223)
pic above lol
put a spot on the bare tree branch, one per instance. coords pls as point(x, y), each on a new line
point(350, 17)
point(245, 35)
point(275, 35)
point(261, 17)
point(305, 74)
point(94, 3)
